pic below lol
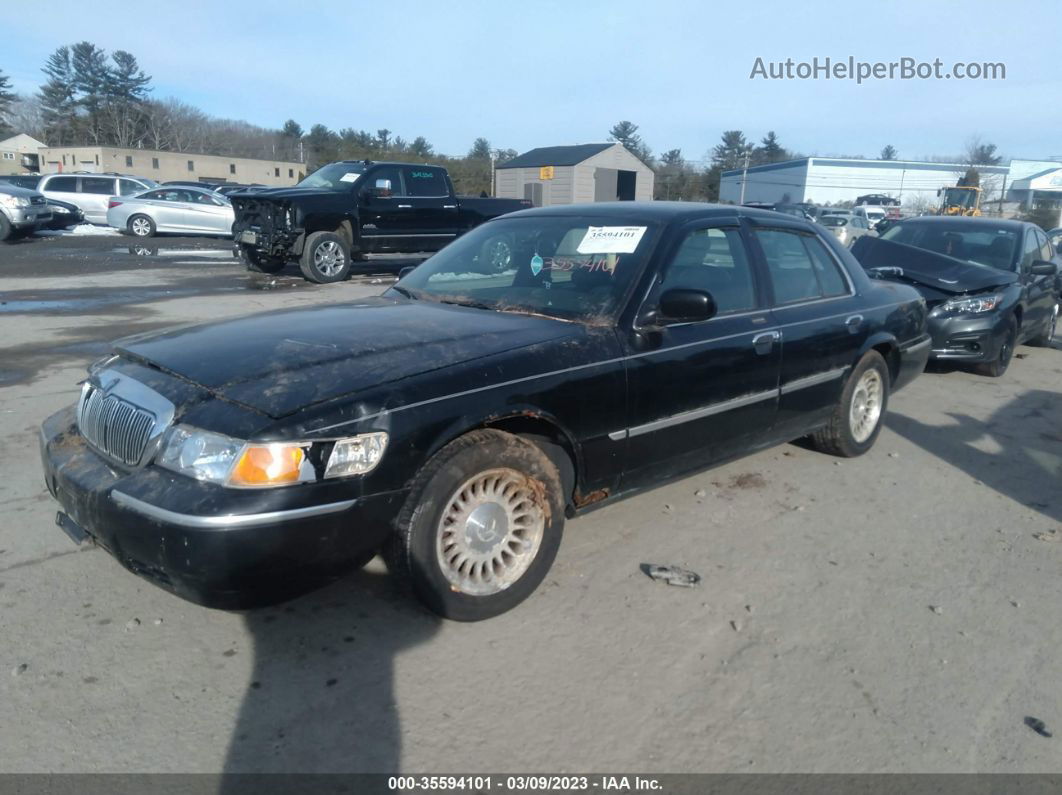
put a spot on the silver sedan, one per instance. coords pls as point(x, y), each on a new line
point(192, 211)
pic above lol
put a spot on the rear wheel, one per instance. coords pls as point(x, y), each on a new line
point(481, 526)
point(857, 419)
point(1043, 339)
point(141, 226)
point(325, 258)
point(996, 368)
point(259, 262)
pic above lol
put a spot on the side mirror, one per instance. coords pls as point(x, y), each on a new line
point(406, 271)
point(381, 190)
point(1043, 268)
point(686, 306)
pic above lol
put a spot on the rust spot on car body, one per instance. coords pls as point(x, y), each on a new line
point(582, 500)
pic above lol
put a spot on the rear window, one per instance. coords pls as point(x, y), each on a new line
point(425, 182)
point(833, 220)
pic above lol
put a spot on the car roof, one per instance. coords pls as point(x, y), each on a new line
point(663, 212)
point(993, 223)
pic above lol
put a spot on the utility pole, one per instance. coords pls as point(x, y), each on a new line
point(744, 176)
point(493, 155)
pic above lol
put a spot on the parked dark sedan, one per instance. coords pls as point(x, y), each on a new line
point(989, 284)
point(457, 419)
point(64, 214)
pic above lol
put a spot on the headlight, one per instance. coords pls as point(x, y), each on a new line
point(14, 201)
point(970, 306)
point(214, 457)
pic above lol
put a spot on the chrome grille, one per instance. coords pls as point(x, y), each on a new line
point(113, 426)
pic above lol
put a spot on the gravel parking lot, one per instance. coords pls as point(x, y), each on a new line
point(896, 612)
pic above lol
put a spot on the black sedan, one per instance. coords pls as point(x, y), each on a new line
point(990, 284)
point(460, 417)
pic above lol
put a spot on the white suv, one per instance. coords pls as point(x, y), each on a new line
point(91, 192)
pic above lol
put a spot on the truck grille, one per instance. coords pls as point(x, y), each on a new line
point(113, 426)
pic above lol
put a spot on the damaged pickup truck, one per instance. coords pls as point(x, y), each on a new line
point(457, 420)
point(346, 210)
point(989, 284)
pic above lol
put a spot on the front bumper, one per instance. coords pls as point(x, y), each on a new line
point(29, 217)
point(968, 338)
point(227, 548)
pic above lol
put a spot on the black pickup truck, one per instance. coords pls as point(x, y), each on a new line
point(348, 209)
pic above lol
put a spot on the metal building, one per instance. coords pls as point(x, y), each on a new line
point(828, 180)
point(575, 174)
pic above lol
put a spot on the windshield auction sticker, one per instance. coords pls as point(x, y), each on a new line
point(350, 176)
point(611, 239)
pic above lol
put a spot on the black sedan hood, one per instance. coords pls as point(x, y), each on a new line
point(280, 362)
point(927, 269)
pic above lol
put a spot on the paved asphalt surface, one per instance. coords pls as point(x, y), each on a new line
point(896, 612)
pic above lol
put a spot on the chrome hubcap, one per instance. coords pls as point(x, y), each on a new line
point(329, 258)
point(866, 405)
point(490, 531)
point(141, 227)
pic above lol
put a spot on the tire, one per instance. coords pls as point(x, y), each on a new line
point(140, 226)
point(1043, 340)
point(260, 263)
point(325, 258)
point(5, 228)
point(999, 365)
point(857, 419)
point(504, 489)
point(496, 254)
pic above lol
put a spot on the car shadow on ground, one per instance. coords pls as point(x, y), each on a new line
point(321, 697)
point(1027, 432)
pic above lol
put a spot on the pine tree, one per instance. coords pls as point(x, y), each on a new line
point(769, 150)
point(480, 149)
point(888, 153)
point(57, 98)
point(91, 77)
point(7, 96)
point(730, 153)
point(626, 133)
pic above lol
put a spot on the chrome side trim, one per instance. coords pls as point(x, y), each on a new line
point(228, 521)
point(812, 380)
point(696, 414)
point(918, 345)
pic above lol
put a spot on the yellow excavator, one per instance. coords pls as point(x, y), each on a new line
point(960, 200)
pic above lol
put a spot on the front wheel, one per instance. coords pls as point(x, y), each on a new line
point(857, 419)
point(141, 226)
point(999, 365)
point(325, 258)
point(481, 526)
point(496, 254)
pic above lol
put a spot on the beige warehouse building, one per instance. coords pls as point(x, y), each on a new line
point(604, 172)
point(166, 166)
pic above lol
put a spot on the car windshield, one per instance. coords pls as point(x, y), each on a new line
point(833, 220)
point(572, 268)
point(977, 243)
point(335, 176)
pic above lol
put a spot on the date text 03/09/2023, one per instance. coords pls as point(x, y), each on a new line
point(523, 783)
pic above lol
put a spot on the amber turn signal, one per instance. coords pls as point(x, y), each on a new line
point(266, 465)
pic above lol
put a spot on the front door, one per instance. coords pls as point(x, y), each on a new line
point(701, 392)
point(386, 214)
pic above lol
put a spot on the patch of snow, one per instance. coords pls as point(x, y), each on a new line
point(91, 229)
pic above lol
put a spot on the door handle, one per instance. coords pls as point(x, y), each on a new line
point(449, 206)
point(765, 341)
point(853, 323)
point(405, 206)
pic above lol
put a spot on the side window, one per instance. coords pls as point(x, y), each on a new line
point(424, 181)
point(62, 184)
point(155, 195)
point(793, 271)
point(713, 260)
point(128, 187)
point(393, 175)
point(1046, 251)
point(101, 186)
point(1031, 251)
point(827, 270)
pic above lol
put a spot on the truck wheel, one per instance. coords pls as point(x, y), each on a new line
point(999, 365)
point(5, 227)
point(857, 419)
point(141, 226)
point(261, 263)
point(325, 258)
point(496, 255)
point(481, 526)
point(1043, 339)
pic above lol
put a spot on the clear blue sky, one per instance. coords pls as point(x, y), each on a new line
point(525, 73)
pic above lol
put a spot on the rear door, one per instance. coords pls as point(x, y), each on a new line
point(707, 390)
point(95, 195)
point(209, 214)
point(818, 315)
point(435, 213)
